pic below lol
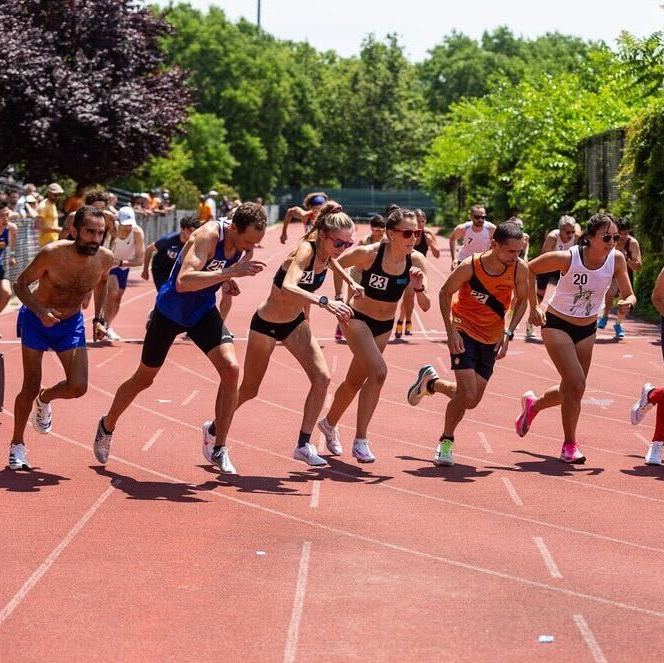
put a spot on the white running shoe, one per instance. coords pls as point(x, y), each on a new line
point(418, 390)
point(641, 407)
point(331, 434)
point(112, 335)
point(309, 454)
point(102, 445)
point(209, 441)
point(362, 452)
point(654, 455)
point(18, 459)
point(444, 455)
point(42, 417)
point(221, 458)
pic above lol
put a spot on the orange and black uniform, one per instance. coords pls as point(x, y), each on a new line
point(479, 315)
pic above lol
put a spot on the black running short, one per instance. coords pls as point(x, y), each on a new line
point(476, 355)
point(576, 332)
point(377, 327)
point(279, 331)
point(544, 279)
point(209, 332)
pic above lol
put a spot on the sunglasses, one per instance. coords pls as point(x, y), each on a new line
point(481, 216)
point(339, 243)
point(407, 234)
point(608, 237)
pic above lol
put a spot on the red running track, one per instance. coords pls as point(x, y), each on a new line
point(157, 557)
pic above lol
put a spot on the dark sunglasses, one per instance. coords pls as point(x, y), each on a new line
point(608, 237)
point(407, 234)
point(339, 243)
point(480, 216)
point(378, 224)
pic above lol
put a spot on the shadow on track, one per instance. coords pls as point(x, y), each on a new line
point(550, 465)
point(28, 481)
point(646, 472)
point(457, 473)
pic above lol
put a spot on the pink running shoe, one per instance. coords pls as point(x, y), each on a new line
point(523, 421)
point(570, 453)
point(338, 336)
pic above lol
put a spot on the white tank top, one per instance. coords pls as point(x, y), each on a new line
point(124, 249)
point(580, 291)
point(563, 246)
point(474, 242)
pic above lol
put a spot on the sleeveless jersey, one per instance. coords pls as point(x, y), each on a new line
point(422, 245)
point(4, 240)
point(187, 308)
point(382, 286)
point(480, 308)
point(563, 246)
point(580, 291)
point(309, 281)
point(474, 242)
point(125, 249)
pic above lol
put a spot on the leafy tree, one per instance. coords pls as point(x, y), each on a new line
point(82, 101)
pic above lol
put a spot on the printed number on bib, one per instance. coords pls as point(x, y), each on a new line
point(215, 266)
point(378, 282)
point(580, 279)
point(481, 297)
point(307, 277)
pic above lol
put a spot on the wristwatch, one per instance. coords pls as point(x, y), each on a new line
point(418, 289)
point(323, 301)
point(509, 333)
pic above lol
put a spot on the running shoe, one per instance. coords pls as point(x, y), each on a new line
point(398, 331)
point(642, 406)
point(362, 452)
point(570, 453)
point(444, 453)
point(525, 419)
point(18, 459)
point(602, 322)
point(409, 328)
point(102, 445)
point(221, 458)
point(42, 418)
point(418, 390)
point(620, 332)
point(209, 441)
point(654, 454)
point(309, 454)
point(338, 336)
point(530, 331)
point(331, 434)
point(112, 335)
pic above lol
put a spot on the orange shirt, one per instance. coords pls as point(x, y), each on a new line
point(72, 204)
point(204, 212)
point(474, 317)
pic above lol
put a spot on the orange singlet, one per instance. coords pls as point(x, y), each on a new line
point(470, 312)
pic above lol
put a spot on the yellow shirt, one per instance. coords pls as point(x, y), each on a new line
point(49, 216)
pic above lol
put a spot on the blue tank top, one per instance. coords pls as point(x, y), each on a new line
point(4, 240)
point(310, 281)
point(187, 308)
point(382, 286)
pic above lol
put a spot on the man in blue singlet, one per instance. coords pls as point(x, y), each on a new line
point(186, 303)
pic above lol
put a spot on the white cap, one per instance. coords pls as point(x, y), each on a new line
point(213, 193)
point(126, 216)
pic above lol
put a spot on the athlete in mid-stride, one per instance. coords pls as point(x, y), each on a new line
point(187, 303)
point(570, 322)
point(476, 332)
point(51, 319)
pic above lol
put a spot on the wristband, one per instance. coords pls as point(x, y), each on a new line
point(338, 298)
point(418, 289)
point(98, 319)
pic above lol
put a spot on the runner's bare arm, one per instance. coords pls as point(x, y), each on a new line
point(456, 234)
point(67, 226)
point(150, 250)
point(627, 297)
point(296, 213)
point(419, 281)
point(360, 256)
point(35, 270)
point(99, 294)
point(13, 235)
point(432, 243)
point(657, 296)
point(634, 262)
point(341, 276)
point(552, 261)
point(462, 274)
point(549, 243)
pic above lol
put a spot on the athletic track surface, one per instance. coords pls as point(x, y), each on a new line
point(156, 557)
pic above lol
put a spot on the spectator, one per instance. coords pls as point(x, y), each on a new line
point(166, 206)
point(204, 211)
point(224, 206)
point(113, 204)
point(212, 202)
point(154, 202)
point(72, 203)
point(12, 201)
point(48, 222)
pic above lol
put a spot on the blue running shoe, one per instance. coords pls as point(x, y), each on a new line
point(601, 323)
point(619, 330)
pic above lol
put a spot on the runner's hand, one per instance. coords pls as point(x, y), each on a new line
point(455, 343)
point(230, 288)
point(247, 268)
point(50, 317)
point(144, 275)
point(357, 290)
point(501, 347)
point(537, 316)
point(98, 331)
point(283, 238)
point(454, 265)
point(342, 311)
point(416, 277)
point(624, 307)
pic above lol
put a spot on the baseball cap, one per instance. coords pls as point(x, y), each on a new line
point(54, 187)
point(30, 198)
point(213, 193)
point(126, 216)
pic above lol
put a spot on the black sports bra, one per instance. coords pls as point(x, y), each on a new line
point(309, 281)
point(385, 287)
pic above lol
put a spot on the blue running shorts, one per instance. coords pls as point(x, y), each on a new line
point(122, 274)
point(65, 335)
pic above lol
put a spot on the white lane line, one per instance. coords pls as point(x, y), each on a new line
point(298, 604)
point(191, 397)
point(109, 359)
point(153, 439)
point(50, 560)
point(335, 362)
point(512, 491)
point(315, 495)
point(484, 442)
point(590, 640)
point(643, 439)
point(547, 557)
point(549, 364)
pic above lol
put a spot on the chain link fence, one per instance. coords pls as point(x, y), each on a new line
point(599, 164)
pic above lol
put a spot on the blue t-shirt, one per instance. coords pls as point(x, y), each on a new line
point(187, 308)
point(168, 249)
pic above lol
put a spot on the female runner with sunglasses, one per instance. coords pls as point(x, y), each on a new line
point(387, 269)
point(281, 318)
point(570, 322)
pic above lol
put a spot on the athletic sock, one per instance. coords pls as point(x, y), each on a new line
point(212, 429)
point(431, 385)
point(444, 437)
point(656, 396)
point(216, 449)
point(304, 438)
